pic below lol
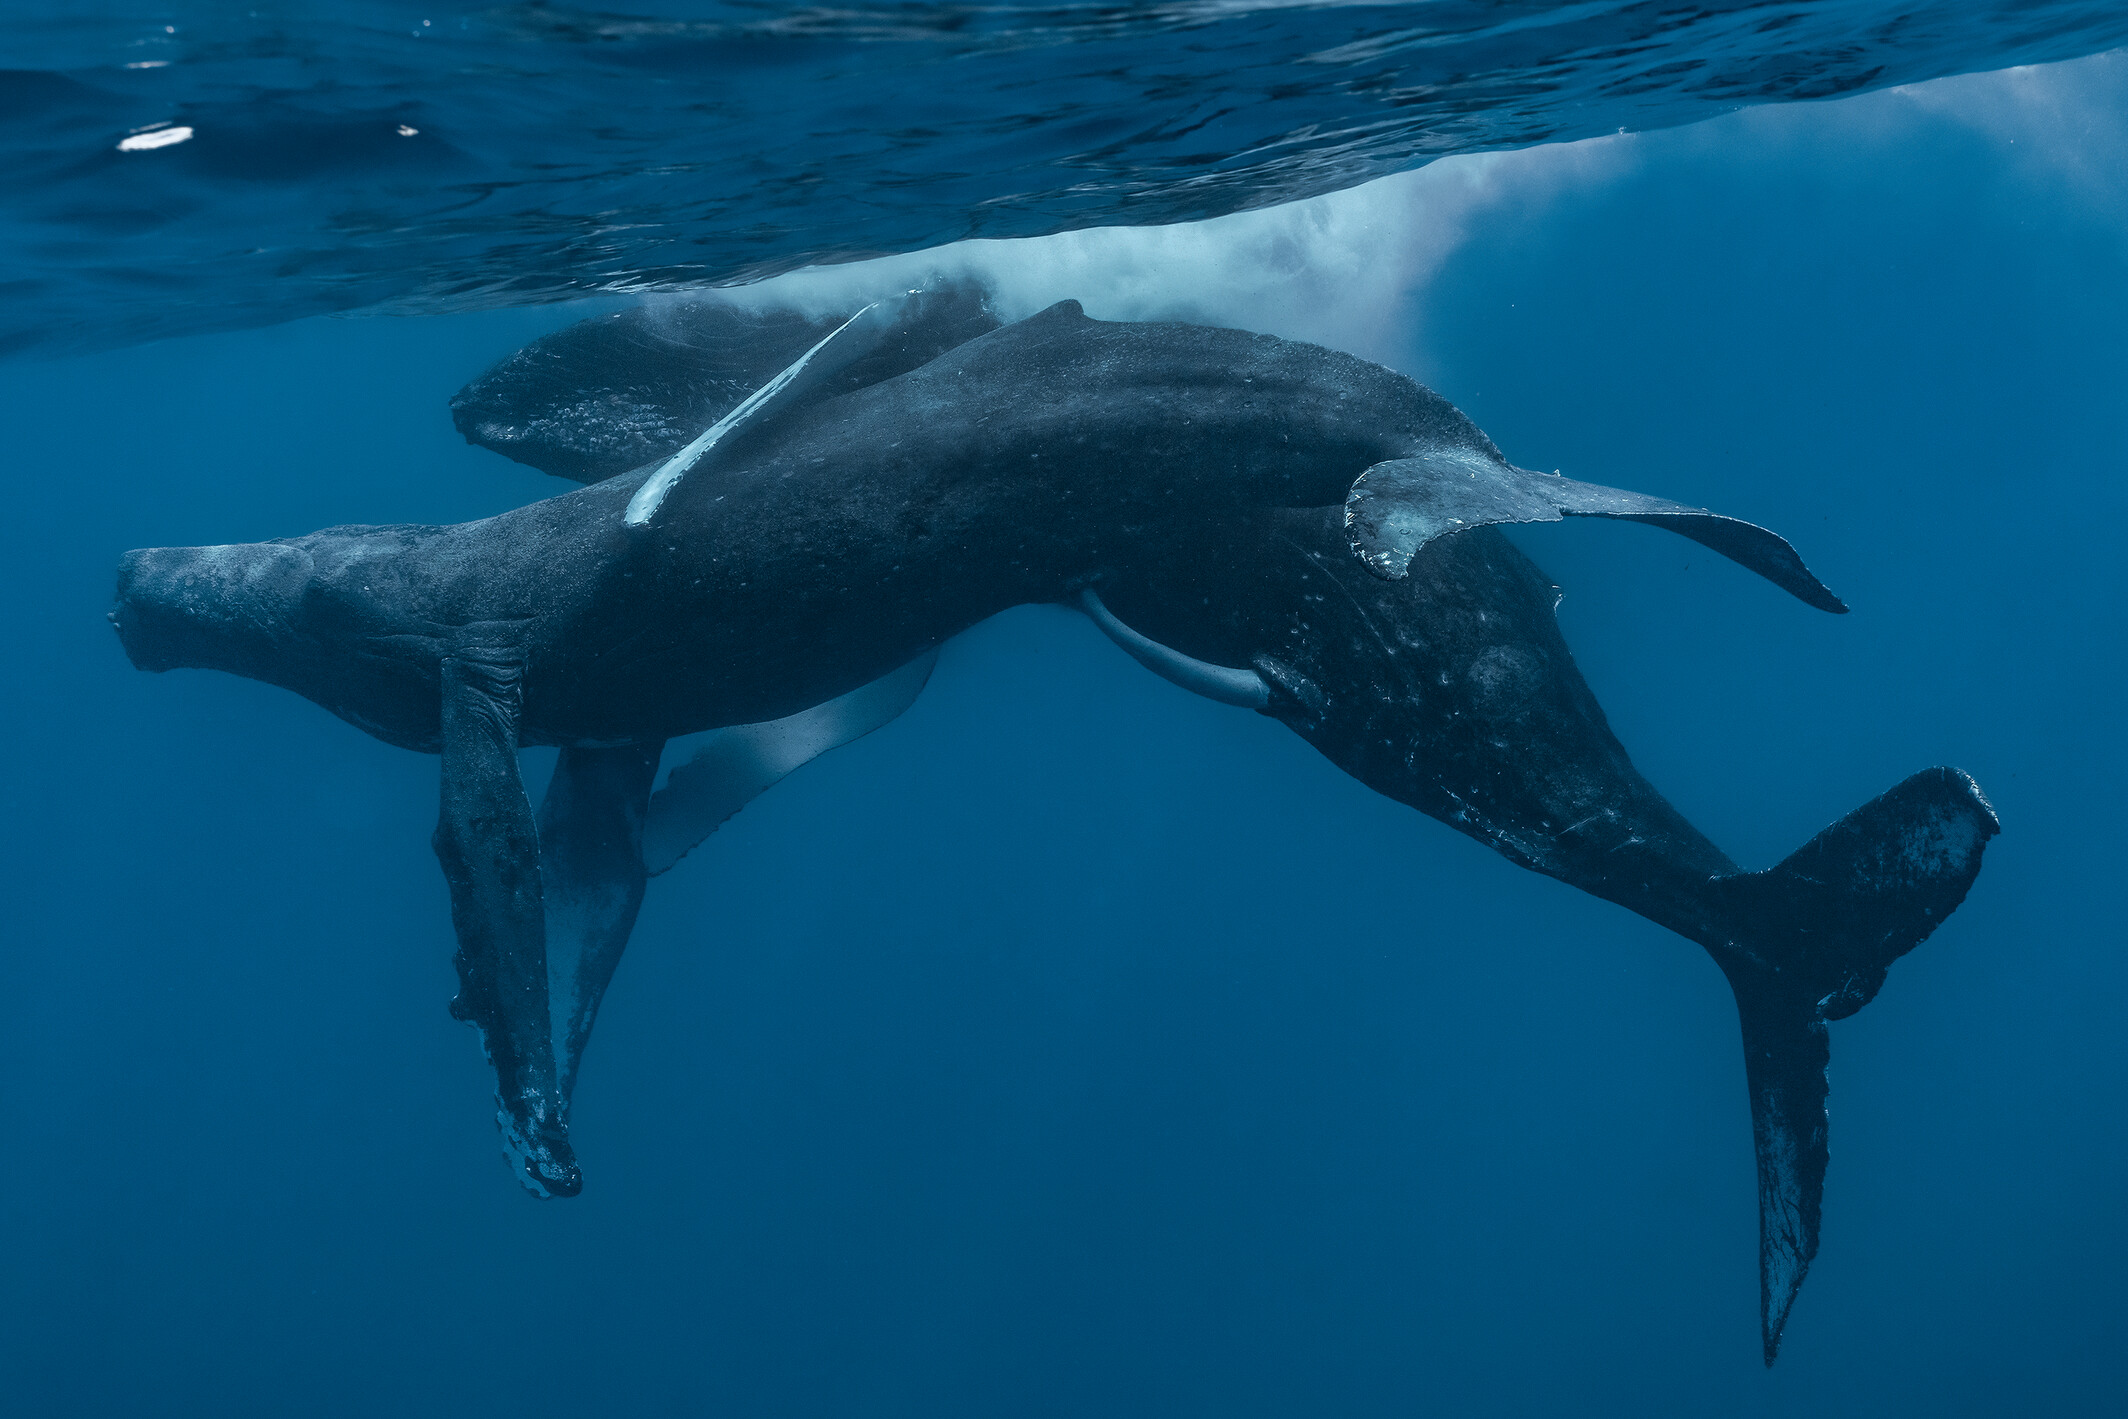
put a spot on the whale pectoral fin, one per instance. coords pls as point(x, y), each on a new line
point(591, 875)
point(489, 849)
point(844, 345)
point(738, 763)
point(1229, 686)
point(1397, 507)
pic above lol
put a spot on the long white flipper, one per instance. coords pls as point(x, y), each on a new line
point(1245, 688)
point(851, 341)
point(738, 763)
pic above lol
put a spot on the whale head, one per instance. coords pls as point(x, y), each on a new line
point(235, 608)
point(336, 617)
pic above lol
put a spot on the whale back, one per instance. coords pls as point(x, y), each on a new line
point(618, 391)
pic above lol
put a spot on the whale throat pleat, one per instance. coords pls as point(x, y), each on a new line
point(846, 343)
point(1245, 688)
point(1397, 507)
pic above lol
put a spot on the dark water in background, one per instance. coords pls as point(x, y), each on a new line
point(1075, 1047)
point(439, 156)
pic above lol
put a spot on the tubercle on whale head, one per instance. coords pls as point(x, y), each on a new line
point(235, 608)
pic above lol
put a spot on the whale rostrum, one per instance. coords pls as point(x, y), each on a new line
point(783, 518)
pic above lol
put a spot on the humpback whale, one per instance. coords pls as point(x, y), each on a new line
point(780, 521)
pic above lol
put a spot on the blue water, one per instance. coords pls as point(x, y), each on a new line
point(1043, 1054)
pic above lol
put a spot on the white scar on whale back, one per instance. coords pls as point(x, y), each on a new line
point(851, 339)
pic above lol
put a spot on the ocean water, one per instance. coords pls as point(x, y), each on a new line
point(1073, 1046)
point(179, 167)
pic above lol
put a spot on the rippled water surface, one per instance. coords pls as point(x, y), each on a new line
point(185, 167)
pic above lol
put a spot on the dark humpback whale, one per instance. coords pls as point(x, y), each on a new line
point(784, 518)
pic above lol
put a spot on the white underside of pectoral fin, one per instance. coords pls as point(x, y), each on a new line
point(1245, 688)
point(735, 765)
point(850, 341)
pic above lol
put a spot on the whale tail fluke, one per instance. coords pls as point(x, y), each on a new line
point(1816, 934)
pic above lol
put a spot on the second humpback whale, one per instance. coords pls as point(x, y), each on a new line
point(783, 520)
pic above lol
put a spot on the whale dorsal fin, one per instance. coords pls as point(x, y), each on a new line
point(736, 765)
point(1399, 506)
point(619, 391)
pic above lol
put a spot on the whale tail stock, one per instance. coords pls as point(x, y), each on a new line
point(1812, 938)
